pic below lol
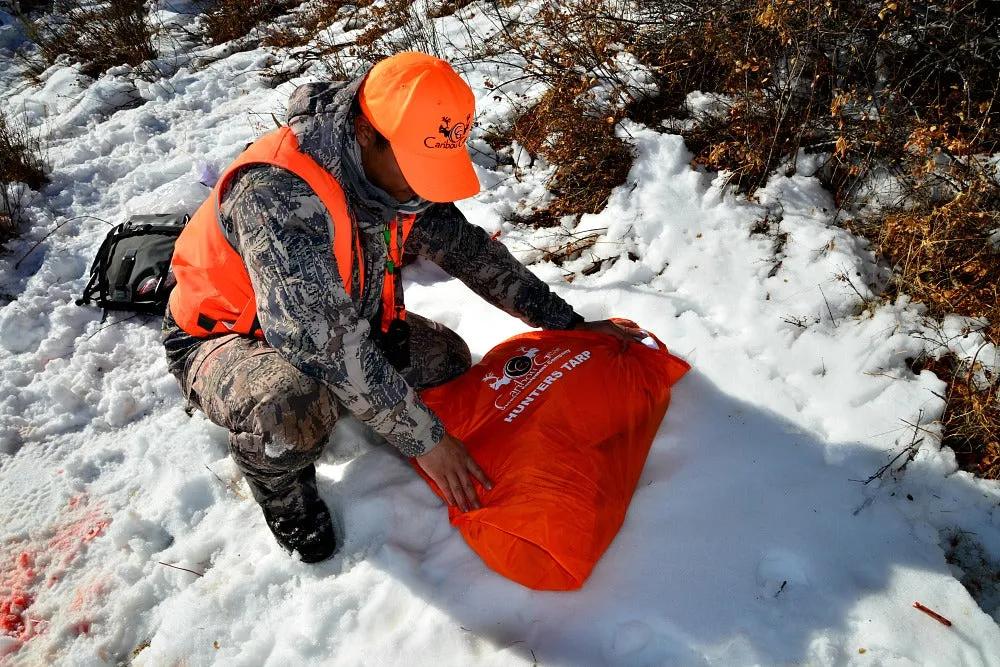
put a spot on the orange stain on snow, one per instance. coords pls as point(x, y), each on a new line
point(44, 557)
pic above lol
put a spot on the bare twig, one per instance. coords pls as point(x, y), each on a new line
point(933, 614)
point(828, 309)
point(910, 451)
point(111, 324)
point(57, 228)
point(221, 481)
point(184, 569)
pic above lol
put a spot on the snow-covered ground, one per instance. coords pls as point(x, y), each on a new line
point(127, 534)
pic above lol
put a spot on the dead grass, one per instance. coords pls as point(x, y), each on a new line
point(96, 35)
point(447, 8)
point(971, 427)
point(308, 22)
point(21, 166)
point(378, 30)
point(590, 159)
point(228, 20)
point(943, 256)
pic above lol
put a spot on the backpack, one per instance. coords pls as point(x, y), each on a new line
point(132, 268)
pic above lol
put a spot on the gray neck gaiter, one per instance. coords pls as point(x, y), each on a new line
point(369, 195)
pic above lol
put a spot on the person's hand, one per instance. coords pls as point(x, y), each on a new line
point(620, 330)
point(452, 469)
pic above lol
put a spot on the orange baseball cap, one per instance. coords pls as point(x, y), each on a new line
point(425, 110)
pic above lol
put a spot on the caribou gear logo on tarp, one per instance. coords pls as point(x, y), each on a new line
point(454, 135)
point(518, 366)
point(530, 373)
point(514, 368)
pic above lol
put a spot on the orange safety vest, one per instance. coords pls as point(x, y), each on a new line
point(213, 292)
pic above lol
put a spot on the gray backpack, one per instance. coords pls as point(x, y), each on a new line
point(132, 268)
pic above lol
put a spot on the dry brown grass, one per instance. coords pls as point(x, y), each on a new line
point(571, 48)
point(379, 30)
point(447, 8)
point(21, 165)
point(943, 257)
point(971, 426)
point(379, 20)
point(307, 23)
point(848, 79)
point(590, 159)
point(227, 20)
point(97, 35)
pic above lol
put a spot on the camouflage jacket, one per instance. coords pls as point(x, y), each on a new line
point(283, 232)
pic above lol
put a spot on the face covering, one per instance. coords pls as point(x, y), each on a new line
point(355, 180)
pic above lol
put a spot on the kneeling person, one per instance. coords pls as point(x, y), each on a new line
point(289, 305)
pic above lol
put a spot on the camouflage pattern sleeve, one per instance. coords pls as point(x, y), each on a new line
point(284, 235)
point(444, 235)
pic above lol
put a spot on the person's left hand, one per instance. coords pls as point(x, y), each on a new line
point(623, 332)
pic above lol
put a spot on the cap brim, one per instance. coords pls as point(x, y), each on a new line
point(439, 180)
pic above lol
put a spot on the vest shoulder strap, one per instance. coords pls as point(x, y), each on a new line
point(281, 149)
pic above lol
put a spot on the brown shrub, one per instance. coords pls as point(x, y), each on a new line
point(97, 35)
point(896, 86)
point(307, 23)
point(375, 22)
point(590, 159)
point(447, 8)
point(21, 164)
point(971, 427)
point(943, 256)
point(228, 20)
point(848, 78)
point(570, 47)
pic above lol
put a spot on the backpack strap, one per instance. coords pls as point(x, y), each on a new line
point(119, 291)
point(96, 285)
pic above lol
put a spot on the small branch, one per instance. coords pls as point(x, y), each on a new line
point(847, 279)
point(910, 451)
point(881, 471)
point(828, 309)
point(881, 375)
point(933, 614)
point(916, 427)
point(57, 228)
point(111, 324)
point(229, 485)
point(197, 574)
point(221, 481)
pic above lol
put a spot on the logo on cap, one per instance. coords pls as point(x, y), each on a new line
point(454, 136)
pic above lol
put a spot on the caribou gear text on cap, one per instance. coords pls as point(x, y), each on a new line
point(425, 110)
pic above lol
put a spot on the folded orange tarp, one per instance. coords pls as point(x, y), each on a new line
point(561, 422)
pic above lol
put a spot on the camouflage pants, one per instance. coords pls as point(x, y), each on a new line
point(278, 417)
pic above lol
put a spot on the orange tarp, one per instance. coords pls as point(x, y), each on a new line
point(561, 422)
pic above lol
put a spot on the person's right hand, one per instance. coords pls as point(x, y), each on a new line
point(622, 330)
point(452, 468)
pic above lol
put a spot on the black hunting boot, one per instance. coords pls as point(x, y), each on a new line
point(300, 520)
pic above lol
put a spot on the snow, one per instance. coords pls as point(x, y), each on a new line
point(752, 538)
